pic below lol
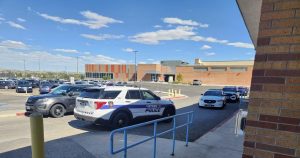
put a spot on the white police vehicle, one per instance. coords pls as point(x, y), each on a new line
point(213, 98)
point(117, 106)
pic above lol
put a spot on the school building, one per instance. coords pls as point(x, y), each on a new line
point(209, 72)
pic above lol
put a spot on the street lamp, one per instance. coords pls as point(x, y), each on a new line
point(135, 77)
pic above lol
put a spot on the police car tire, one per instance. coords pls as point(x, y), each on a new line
point(57, 114)
point(120, 116)
point(168, 112)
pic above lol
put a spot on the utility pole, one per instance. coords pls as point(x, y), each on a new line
point(24, 67)
point(135, 51)
point(77, 64)
point(39, 65)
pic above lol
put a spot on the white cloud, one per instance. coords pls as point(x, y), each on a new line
point(150, 59)
point(2, 19)
point(241, 45)
point(13, 59)
point(128, 50)
point(142, 62)
point(10, 44)
point(102, 37)
point(15, 25)
point(179, 33)
point(205, 47)
point(157, 26)
point(87, 53)
point(21, 20)
point(66, 50)
point(177, 21)
point(207, 39)
point(93, 20)
point(210, 53)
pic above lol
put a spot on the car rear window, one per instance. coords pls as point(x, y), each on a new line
point(109, 94)
point(91, 93)
point(230, 89)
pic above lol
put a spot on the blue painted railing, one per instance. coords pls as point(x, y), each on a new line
point(155, 134)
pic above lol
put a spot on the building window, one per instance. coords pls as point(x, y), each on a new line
point(201, 68)
point(99, 75)
point(238, 69)
point(218, 68)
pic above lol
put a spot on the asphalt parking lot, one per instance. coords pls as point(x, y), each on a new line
point(15, 131)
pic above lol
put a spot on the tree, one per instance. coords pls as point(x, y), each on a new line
point(179, 78)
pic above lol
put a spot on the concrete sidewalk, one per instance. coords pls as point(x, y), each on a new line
point(218, 143)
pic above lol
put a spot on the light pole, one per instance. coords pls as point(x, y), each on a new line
point(77, 64)
point(135, 70)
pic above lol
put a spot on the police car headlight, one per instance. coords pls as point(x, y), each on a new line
point(44, 100)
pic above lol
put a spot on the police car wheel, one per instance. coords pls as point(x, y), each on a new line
point(120, 120)
point(57, 111)
point(168, 112)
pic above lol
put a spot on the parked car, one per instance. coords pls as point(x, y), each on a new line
point(56, 103)
point(34, 83)
point(243, 91)
point(232, 93)
point(197, 82)
point(118, 106)
point(213, 98)
point(45, 87)
point(7, 84)
point(23, 86)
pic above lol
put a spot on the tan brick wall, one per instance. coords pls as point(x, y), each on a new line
point(215, 77)
point(273, 122)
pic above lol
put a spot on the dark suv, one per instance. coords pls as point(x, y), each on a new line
point(7, 85)
point(56, 103)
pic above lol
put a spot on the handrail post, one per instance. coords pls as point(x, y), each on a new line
point(174, 132)
point(154, 134)
point(125, 143)
point(187, 131)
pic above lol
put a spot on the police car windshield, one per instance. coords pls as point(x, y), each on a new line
point(91, 93)
point(213, 93)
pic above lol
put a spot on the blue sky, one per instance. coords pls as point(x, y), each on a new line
point(55, 33)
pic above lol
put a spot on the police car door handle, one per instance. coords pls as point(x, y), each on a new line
point(128, 101)
point(148, 102)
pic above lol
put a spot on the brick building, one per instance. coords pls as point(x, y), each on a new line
point(273, 122)
point(209, 72)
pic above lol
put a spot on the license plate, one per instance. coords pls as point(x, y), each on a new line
point(209, 105)
point(27, 107)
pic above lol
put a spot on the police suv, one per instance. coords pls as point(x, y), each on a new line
point(118, 106)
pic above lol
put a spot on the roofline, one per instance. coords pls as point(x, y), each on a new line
point(237, 3)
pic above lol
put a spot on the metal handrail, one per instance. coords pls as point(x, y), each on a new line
point(155, 134)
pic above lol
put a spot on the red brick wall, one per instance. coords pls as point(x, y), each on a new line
point(273, 123)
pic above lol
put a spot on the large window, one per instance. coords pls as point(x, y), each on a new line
point(99, 75)
point(201, 68)
point(133, 94)
point(238, 69)
point(218, 68)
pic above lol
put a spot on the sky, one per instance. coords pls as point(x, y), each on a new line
point(50, 35)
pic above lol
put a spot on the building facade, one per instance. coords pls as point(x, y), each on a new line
point(217, 72)
point(273, 121)
point(212, 73)
point(117, 72)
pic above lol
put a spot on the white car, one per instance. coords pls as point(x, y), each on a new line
point(213, 98)
point(117, 106)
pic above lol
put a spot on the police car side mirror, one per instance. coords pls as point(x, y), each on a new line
point(158, 98)
point(201, 94)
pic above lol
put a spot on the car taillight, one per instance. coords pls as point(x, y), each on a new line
point(99, 105)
